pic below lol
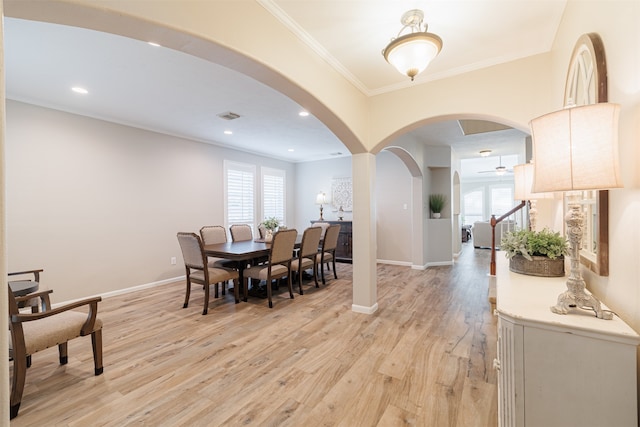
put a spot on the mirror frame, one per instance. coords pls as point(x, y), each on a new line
point(587, 84)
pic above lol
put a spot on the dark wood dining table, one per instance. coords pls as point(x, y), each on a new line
point(242, 253)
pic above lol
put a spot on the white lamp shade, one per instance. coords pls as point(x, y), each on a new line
point(321, 199)
point(523, 182)
point(412, 53)
point(576, 149)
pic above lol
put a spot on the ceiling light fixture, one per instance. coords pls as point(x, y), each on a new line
point(80, 90)
point(485, 153)
point(228, 132)
point(154, 44)
point(303, 113)
point(412, 52)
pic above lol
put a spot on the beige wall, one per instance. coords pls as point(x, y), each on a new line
point(617, 24)
point(98, 205)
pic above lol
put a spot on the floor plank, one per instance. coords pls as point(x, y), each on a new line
point(424, 358)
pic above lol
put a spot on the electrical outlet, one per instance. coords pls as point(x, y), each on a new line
point(173, 260)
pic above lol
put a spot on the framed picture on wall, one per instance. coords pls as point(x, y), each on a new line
point(341, 194)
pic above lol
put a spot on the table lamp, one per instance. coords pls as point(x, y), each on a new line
point(576, 149)
point(523, 183)
point(321, 199)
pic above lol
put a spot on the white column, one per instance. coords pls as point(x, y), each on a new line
point(4, 323)
point(364, 234)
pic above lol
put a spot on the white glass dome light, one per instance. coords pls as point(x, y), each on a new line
point(411, 53)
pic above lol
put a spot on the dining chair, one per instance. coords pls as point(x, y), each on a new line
point(323, 226)
point(307, 255)
point(28, 285)
point(33, 332)
point(213, 235)
point(241, 232)
point(198, 271)
point(328, 252)
point(278, 265)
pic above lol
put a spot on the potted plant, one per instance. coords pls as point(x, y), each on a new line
point(535, 253)
point(437, 203)
point(270, 224)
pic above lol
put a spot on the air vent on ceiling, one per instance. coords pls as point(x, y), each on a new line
point(228, 115)
point(337, 153)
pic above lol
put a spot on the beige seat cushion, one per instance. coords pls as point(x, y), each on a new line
point(44, 333)
point(261, 272)
point(306, 263)
point(215, 275)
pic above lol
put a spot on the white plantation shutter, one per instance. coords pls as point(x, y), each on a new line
point(273, 194)
point(240, 193)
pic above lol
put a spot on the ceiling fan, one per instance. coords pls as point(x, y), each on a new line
point(499, 170)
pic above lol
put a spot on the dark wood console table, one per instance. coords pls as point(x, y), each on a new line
point(344, 249)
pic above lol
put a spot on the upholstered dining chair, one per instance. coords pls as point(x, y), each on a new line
point(198, 271)
point(32, 332)
point(212, 235)
point(328, 252)
point(240, 232)
point(279, 264)
point(323, 226)
point(23, 280)
point(307, 255)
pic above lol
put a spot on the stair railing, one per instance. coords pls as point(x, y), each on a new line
point(494, 222)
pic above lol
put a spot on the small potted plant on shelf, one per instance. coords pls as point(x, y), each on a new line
point(535, 253)
point(437, 203)
point(270, 224)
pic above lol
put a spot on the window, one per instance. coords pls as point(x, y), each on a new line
point(501, 200)
point(273, 194)
point(472, 207)
point(239, 193)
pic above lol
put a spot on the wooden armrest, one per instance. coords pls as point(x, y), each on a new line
point(87, 328)
point(43, 295)
point(36, 273)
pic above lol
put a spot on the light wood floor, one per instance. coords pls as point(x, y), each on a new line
point(424, 358)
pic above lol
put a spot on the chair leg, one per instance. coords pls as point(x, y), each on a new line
point(289, 282)
point(322, 273)
point(335, 273)
point(17, 382)
point(269, 282)
point(28, 361)
point(299, 276)
point(96, 344)
point(215, 292)
point(187, 294)
point(315, 274)
point(62, 350)
point(206, 298)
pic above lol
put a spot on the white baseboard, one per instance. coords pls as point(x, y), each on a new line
point(363, 309)
point(418, 267)
point(125, 290)
point(392, 262)
point(436, 264)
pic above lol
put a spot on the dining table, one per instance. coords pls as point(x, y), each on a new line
point(242, 253)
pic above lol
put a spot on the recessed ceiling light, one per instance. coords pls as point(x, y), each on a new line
point(291, 150)
point(228, 132)
point(485, 153)
point(78, 89)
point(154, 44)
point(303, 113)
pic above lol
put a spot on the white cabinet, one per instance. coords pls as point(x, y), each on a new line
point(560, 370)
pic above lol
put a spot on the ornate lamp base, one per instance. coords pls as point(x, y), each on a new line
point(575, 296)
